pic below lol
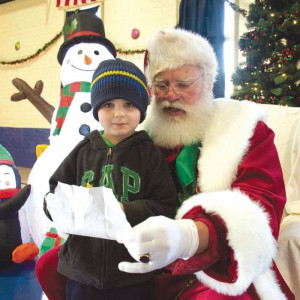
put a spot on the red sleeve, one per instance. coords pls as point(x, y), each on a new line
point(259, 176)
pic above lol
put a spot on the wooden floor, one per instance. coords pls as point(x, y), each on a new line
point(24, 173)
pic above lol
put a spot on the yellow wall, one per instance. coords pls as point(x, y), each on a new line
point(34, 23)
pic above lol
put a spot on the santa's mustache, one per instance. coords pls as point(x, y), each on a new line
point(190, 109)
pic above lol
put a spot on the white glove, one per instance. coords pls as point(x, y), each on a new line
point(164, 239)
point(93, 212)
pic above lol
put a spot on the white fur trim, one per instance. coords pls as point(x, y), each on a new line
point(226, 142)
point(44, 297)
point(249, 235)
point(267, 287)
point(173, 48)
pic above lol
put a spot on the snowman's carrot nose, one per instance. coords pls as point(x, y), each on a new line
point(87, 60)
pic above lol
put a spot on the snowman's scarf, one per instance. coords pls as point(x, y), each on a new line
point(66, 97)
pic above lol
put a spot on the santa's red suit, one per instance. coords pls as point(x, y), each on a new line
point(241, 199)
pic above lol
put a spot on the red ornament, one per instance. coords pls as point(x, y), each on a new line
point(135, 33)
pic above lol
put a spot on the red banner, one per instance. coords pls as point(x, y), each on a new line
point(62, 3)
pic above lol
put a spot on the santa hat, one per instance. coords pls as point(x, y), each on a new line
point(173, 48)
point(83, 27)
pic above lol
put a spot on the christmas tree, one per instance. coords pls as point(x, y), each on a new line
point(271, 46)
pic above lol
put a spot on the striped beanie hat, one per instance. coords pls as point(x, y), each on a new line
point(119, 79)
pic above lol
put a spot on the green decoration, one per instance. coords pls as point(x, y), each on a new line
point(47, 45)
point(236, 8)
point(277, 91)
point(33, 56)
point(130, 52)
point(69, 28)
point(280, 79)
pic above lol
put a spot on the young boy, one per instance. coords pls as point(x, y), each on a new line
point(118, 158)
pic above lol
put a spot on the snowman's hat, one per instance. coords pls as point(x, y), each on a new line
point(83, 27)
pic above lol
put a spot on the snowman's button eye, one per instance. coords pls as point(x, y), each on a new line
point(96, 52)
point(79, 52)
point(85, 107)
point(84, 129)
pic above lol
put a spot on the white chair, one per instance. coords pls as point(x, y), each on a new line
point(285, 122)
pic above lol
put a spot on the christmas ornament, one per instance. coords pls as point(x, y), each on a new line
point(135, 33)
point(17, 46)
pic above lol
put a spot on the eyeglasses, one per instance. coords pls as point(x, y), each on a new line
point(161, 89)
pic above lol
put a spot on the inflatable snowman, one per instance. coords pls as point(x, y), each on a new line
point(84, 47)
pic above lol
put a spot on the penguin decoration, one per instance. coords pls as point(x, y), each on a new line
point(12, 198)
point(84, 47)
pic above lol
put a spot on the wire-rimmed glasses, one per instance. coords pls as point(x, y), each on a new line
point(161, 89)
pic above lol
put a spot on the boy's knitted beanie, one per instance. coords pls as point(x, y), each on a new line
point(119, 79)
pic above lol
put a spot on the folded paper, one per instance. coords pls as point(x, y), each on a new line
point(93, 212)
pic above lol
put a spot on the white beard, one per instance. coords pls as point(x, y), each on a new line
point(172, 131)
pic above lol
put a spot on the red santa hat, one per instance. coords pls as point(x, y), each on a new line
point(173, 48)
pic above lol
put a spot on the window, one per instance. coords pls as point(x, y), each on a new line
point(230, 48)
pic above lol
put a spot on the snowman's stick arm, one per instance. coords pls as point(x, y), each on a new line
point(34, 96)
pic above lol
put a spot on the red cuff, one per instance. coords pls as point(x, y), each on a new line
point(217, 261)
